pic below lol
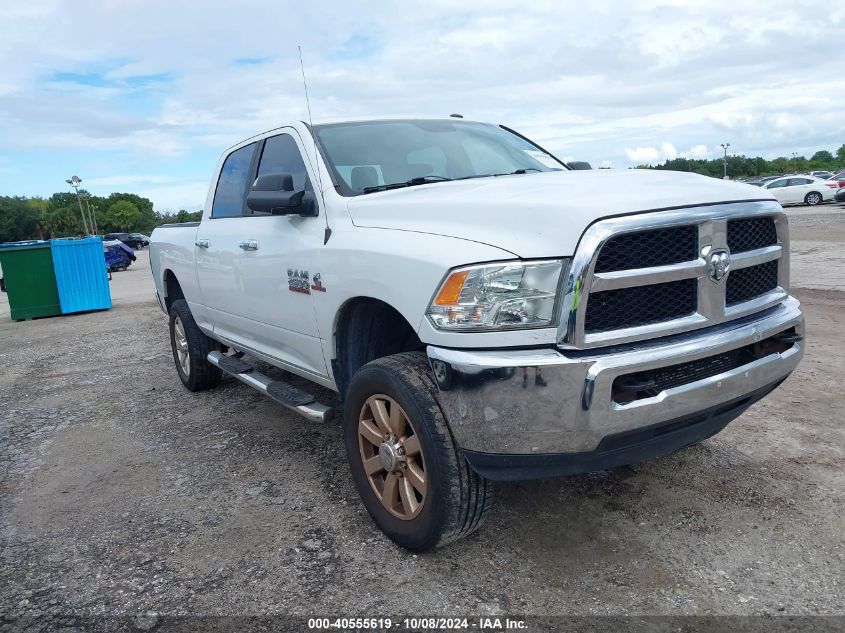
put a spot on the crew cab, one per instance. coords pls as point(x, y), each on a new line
point(483, 311)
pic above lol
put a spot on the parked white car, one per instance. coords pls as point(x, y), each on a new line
point(802, 190)
point(483, 311)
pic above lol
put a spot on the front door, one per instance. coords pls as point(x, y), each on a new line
point(278, 266)
point(254, 268)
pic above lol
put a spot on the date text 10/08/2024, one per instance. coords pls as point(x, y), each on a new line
point(414, 624)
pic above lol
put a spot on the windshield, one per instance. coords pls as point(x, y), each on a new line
point(372, 155)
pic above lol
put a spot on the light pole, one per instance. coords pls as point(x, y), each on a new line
point(794, 168)
point(93, 208)
point(92, 216)
point(725, 147)
point(74, 181)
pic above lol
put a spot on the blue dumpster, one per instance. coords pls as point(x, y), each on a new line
point(81, 274)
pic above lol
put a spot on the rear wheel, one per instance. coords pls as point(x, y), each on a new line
point(813, 198)
point(410, 473)
point(190, 350)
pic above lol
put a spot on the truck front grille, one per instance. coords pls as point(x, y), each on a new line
point(646, 249)
point(641, 305)
point(655, 274)
point(752, 282)
point(751, 233)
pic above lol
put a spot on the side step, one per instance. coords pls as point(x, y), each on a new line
point(293, 398)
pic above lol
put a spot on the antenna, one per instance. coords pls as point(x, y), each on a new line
point(313, 139)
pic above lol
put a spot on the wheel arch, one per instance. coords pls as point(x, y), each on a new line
point(366, 328)
point(172, 289)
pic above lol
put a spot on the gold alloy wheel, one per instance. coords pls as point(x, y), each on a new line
point(392, 456)
point(183, 356)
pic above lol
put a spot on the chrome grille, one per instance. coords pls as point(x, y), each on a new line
point(749, 283)
point(644, 249)
point(640, 305)
point(637, 277)
point(751, 233)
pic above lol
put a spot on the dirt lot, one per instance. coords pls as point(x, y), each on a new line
point(122, 493)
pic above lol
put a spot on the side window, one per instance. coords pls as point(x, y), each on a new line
point(281, 156)
point(231, 186)
point(778, 184)
point(798, 181)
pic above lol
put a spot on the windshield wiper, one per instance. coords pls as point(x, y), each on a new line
point(419, 180)
point(524, 170)
point(422, 180)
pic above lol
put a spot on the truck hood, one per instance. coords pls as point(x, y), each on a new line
point(539, 214)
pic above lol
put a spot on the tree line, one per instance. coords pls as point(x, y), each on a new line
point(741, 166)
point(24, 218)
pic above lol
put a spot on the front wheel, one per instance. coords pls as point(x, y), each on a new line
point(813, 198)
point(410, 473)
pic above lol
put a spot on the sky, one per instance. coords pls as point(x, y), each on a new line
point(142, 96)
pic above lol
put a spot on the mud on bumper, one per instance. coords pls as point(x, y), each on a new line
point(522, 414)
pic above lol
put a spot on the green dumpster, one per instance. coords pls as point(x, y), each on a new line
point(30, 280)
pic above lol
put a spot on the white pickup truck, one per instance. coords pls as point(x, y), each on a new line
point(483, 311)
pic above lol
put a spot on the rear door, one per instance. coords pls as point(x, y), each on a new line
point(798, 188)
point(779, 189)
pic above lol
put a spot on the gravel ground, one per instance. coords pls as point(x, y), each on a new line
point(123, 494)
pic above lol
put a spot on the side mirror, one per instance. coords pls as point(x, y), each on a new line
point(273, 193)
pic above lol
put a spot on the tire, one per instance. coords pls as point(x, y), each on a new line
point(813, 198)
point(194, 370)
point(455, 499)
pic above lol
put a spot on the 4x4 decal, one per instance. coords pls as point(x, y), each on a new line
point(318, 283)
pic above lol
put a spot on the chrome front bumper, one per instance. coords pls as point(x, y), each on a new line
point(495, 405)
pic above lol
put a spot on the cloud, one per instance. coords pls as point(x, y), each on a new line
point(668, 151)
point(160, 89)
point(185, 195)
point(647, 155)
point(250, 61)
point(642, 154)
point(131, 179)
point(696, 151)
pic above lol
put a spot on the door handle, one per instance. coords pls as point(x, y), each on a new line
point(249, 245)
point(201, 243)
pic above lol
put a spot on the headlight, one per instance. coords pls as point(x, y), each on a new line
point(509, 295)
